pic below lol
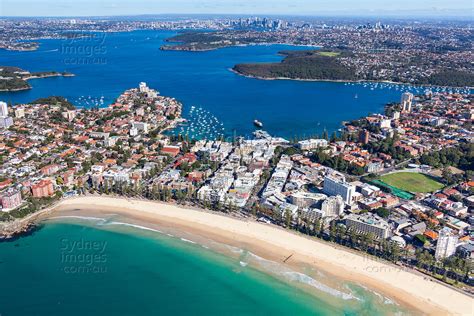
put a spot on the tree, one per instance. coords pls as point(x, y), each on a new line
point(332, 231)
point(287, 218)
point(317, 227)
point(448, 176)
point(370, 240)
point(383, 212)
point(394, 251)
point(325, 135)
point(59, 180)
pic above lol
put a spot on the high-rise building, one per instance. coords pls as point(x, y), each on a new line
point(3, 109)
point(10, 199)
point(364, 136)
point(335, 186)
point(386, 123)
point(20, 113)
point(368, 223)
point(406, 101)
point(143, 87)
point(6, 121)
point(44, 188)
point(333, 206)
point(446, 245)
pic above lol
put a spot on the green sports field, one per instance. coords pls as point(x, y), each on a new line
point(329, 54)
point(412, 182)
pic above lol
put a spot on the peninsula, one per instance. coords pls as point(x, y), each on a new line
point(302, 65)
point(345, 66)
point(16, 79)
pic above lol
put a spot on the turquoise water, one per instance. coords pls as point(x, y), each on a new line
point(112, 63)
point(71, 269)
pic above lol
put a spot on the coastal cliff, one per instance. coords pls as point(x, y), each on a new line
point(16, 228)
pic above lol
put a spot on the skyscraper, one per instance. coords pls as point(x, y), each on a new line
point(3, 109)
point(5, 120)
point(406, 101)
point(446, 245)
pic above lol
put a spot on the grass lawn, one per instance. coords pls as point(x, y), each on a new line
point(412, 182)
point(329, 54)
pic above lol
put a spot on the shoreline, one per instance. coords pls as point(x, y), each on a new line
point(176, 48)
point(271, 242)
point(343, 81)
point(37, 77)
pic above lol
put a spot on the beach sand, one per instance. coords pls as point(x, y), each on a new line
point(274, 243)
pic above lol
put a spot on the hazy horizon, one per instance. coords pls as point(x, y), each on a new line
point(343, 8)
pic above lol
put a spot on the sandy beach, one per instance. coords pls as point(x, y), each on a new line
point(411, 289)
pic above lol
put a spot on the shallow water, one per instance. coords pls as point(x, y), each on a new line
point(78, 266)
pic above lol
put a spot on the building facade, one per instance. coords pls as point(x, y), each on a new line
point(44, 188)
point(368, 223)
point(334, 186)
point(446, 245)
point(406, 101)
point(333, 206)
point(10, 199)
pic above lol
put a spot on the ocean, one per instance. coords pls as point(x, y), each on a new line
point(216, 100)
point(107, 267)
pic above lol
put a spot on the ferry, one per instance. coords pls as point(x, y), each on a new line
point(258, 123)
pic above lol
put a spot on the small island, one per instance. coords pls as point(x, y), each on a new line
point(16, 79)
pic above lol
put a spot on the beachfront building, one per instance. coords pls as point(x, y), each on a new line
point(306, 199)
point(10, 199)
point(368, 223)
point(338, 186)
point(446, 245)
point(44, 188)
point(333, 206)
point(309, 144)
point(312, 214)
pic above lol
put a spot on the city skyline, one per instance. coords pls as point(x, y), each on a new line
point(402, 8)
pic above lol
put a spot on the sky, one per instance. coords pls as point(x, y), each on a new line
point(275, 7)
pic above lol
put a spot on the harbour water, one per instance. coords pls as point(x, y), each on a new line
point(223, 101)
point(93, 266)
